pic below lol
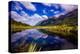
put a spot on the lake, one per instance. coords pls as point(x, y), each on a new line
point(32, 40)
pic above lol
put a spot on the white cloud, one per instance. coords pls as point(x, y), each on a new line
point(24, 14)
point(19, 18)
point(44, 17)
point(44, 11)
point(56, 6)
point(46, 4)
point(56, 12)
point(57, 15)
point(51, 4)
point(35, 19)
point(25, 18)
point(52, 10)
point(16, 16)
point(28, 5)
point(69, 8)
point(18, 6)
point(35, 16)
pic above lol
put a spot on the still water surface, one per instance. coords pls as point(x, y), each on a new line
point(44, 41)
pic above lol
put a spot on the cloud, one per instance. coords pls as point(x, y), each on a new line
point(24, 14)
point(44, 11)
point(44, 17)
point(68, 8)
point(35, 16)
point(57, 15)
point(52, 10)
point(56, 5)
point(18, 7)
point(25, 18)
point(28, 5)
point(16, 16)
point(35, 19)
point(51, 4)
point(56, 12)
point(47, 4)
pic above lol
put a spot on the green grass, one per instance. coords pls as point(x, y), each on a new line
point(57, 28)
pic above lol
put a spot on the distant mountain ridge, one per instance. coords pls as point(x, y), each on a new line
point(70, 18)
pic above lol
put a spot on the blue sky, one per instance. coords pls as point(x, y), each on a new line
point(28, 12)
point(41, 9)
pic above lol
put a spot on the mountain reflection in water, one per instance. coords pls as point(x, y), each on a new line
point(24, 41)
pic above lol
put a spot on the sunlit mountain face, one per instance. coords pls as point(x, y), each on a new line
point(28, 12)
